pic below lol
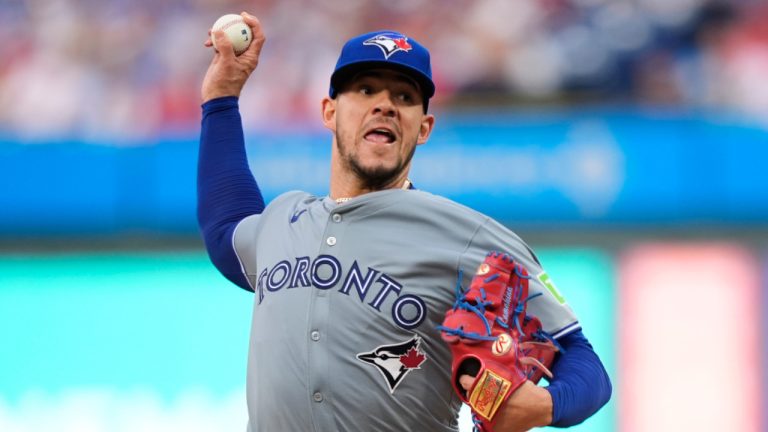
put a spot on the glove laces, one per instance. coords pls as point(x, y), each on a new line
point(479, 308)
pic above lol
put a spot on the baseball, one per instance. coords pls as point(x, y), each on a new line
point(236, 30)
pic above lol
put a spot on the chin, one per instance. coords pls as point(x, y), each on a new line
point(377, 176)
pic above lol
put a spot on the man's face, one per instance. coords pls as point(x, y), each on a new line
point(378, 121)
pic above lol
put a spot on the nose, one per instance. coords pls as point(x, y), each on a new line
point(384, 104)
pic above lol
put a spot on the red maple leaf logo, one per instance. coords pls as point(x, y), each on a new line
point(403, 44)
point(412, 359)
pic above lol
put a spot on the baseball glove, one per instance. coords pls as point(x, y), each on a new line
point(492, 338)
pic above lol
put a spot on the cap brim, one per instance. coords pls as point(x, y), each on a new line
point(345, 73)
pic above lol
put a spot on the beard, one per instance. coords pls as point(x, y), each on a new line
point(373, 177)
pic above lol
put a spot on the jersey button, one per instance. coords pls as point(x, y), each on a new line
point(331, 241)
point(336, 217)
point(318, 397)
point(315, 335)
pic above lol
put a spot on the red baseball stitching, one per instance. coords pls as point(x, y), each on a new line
point(231, 23)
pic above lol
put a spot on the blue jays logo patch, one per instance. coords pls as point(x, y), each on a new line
point(396, 361)
point(390, 43)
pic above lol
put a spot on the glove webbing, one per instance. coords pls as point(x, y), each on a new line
point(479, 309)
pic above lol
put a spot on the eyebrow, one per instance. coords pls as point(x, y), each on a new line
point(401, 77)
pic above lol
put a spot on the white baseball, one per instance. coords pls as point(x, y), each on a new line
point(236, 30)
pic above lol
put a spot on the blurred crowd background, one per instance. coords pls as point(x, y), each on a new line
point(132, 69)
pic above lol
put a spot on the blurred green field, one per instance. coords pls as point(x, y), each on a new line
point(166, 321)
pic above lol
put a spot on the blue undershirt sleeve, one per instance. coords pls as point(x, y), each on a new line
point(226, 189)
point(580, 385)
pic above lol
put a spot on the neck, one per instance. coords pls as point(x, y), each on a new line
point(345, 194)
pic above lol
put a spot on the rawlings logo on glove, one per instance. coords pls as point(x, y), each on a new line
point(492, 338)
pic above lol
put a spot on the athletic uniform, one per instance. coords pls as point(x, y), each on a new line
point(348, 297)
point(375, 274)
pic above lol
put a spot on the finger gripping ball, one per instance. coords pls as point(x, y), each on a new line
point(236, 30)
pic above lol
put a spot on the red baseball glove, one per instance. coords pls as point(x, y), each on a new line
point(492, 339)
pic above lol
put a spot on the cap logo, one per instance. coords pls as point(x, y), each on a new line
point(390, 43)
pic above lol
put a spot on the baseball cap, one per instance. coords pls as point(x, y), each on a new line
point(387, 49)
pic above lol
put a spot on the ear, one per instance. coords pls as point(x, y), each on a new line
point(329, 113)
point(427, 124)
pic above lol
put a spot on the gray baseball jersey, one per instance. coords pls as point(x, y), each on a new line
point(347, 301)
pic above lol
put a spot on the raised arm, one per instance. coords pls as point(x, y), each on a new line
point(226, 189)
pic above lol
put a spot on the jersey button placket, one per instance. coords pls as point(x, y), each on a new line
point(320, 358)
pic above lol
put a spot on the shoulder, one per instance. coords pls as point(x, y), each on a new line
point(285, 203)
point(288, 202)
point(279, 211)
point(292, 198)
point(442, 206)
point(483, 231)
point(487, 234)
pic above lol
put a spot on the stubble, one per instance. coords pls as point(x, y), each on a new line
point(376, 177)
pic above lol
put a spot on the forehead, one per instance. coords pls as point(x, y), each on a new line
point(386, 75)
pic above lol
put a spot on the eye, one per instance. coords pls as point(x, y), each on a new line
point(365, 89)
point(405, 97)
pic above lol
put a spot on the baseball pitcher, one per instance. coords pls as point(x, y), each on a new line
point(379, 306)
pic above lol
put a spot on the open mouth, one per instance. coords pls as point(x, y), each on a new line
point(380, 135)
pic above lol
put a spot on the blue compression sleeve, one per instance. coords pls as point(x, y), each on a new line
point(580, 385)
point(226, 190)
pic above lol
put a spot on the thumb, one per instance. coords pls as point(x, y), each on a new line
point(466, 381)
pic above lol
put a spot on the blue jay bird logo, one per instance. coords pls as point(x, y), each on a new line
point(395, 361)
point(390, 43)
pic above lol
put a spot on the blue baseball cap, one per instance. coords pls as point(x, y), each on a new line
point(384, 49)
